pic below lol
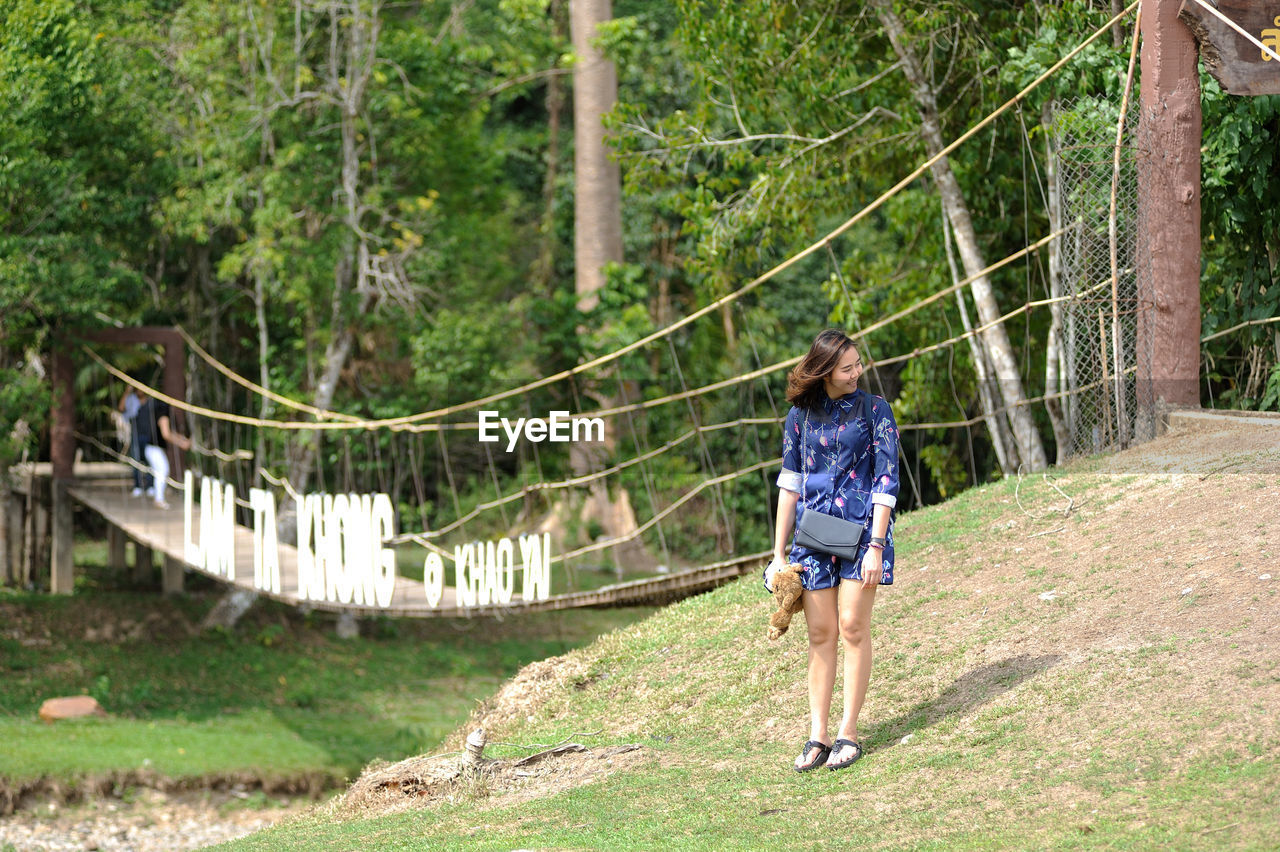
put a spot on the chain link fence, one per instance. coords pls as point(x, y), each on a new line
point(1098, 272)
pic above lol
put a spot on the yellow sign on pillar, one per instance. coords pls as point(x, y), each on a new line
point(1270, 38)
point(1237, 39)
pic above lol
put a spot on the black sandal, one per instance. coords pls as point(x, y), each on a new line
point(837, 746)
point(818, 762)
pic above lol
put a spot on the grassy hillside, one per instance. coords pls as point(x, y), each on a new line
point(1089, 660)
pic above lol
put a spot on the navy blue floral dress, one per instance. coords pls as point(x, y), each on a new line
point(827, 460)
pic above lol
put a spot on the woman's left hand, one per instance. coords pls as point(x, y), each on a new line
point(872, 566)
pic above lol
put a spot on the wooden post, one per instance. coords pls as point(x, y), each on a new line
point(171, 577)
point(37, 557)
point(1169, 214)
point(62, 575)
point(6, 532)
point(16, 522)
point(143, 562)
point(27, 535)
point(62, 451)
point(115, 549)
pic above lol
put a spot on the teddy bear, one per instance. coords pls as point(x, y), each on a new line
point(787, 595)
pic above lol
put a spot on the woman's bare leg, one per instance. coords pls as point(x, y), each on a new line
point(855, 633)
point(822, 620)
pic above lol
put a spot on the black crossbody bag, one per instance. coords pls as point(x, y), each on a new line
point(827, 533)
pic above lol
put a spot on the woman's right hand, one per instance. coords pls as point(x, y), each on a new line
point(775, 567)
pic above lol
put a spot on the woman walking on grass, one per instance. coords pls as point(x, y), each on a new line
point(840, 459)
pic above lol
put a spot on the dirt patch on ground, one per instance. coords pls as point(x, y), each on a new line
point(389, 788)
point(524, 694)
point(1131, 552)
point(455, 776)
point(146, 821)
point(22, 795)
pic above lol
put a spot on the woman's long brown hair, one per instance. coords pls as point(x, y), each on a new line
point(804, 382)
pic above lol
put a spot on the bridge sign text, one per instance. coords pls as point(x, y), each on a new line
point(342, 554)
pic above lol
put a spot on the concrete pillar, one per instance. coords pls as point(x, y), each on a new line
point(1168, 355)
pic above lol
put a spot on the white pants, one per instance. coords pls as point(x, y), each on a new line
point(159, 461)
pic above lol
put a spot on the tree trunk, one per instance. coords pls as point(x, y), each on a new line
point(545, 272)
point(597, 237)
point(1053, 373)
point(264, 375)
point(997, 430)
point(995, 338)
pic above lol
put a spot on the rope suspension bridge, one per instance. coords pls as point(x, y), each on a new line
point(397, 521)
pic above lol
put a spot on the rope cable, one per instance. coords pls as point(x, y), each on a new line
point(645, 473)
point(586, 478)
point(708, 465)
point(1113, 239)
point(259, 389)
point(348, 422)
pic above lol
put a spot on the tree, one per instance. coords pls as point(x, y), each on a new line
point(995, 340)
point(77, 173)
point(597, 233)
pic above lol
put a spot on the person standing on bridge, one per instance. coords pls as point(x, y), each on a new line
point(129, 405)
point(839, 462)
point(153, 429)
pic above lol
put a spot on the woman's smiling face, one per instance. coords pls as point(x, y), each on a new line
point(844, 378)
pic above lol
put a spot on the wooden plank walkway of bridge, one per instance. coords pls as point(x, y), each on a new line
point(162, 530)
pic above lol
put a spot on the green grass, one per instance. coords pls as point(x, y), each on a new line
point(170, 748)
point(1027, 729)
point(280, 695)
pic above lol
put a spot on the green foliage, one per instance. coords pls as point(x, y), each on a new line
point(184, 162)
point(77, 173)
point(1271, 395)
point(792, 125)
point(1241, 247)
point(24, 403)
